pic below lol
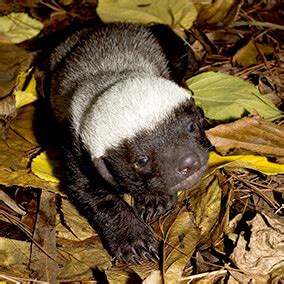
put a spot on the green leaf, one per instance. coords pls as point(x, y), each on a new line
point(225, 97)
point(19, 27)
point(170, 12)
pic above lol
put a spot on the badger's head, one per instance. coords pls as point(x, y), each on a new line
point(145, 134)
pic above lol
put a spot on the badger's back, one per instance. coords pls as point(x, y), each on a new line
point(111, 83)
point(93, 59)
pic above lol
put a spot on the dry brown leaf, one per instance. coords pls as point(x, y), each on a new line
point(79, 262)
point(14, 257)
point(248, 54)
point(11, 203)
point(217, 13)
point(143, 271)
point(181, 239)
point(249, 133)
point(7, 114)
point(79, 225)
point(13, 60)
point(23, 125)
point(80, 250)
point(122, 276)
point(210, 204)
point(15, 151)
point(43, 261)
point(264, 252)
point(277, 275)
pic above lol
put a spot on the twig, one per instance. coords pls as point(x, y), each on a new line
point(257, 24)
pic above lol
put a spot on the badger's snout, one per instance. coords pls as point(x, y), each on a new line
point(188, 169)
point(188, 165)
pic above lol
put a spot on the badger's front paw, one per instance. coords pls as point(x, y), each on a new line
point(135, 245)
point(150, 207)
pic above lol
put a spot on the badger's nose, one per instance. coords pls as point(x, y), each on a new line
point(188, 164)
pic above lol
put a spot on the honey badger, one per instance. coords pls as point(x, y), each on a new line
point(126, 126)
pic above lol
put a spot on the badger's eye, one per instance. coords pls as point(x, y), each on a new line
point(141, 161)
point(191, 127)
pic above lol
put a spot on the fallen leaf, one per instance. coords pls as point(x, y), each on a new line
point(79, 262)
point(10, 202)
point(206, 205)
point(79, 225)
point(154, 278)
point(211, 205)
point(277, 275)
point(27, 95)
point(16, 153)
point(43, 167)
point(248, 54)
point(263, 252)
point(19, 27)
point(181, 239)
point(7, 107)
point(257, 163)
point(13, 60)
point(16, 150)
point(65, 2)
point(43, 260)
point(7, 114)
point(23, 124)
point(122, 276)
point(143, 271)
point(170, 12)
point(249, 133)
point(25, 178)
point(225, 97)
point(14, 257)
point(218, 13)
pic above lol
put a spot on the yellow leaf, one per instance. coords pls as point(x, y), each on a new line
point(29, 94)
point(170, 12)
point(25, 178)
point(254, 162)
point(19, 27)
point(248, 54)
point(43, 167)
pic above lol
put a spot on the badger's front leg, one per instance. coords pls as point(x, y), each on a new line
point(125, 236)
point(152, 205)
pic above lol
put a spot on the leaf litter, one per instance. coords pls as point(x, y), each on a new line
point(205, 237)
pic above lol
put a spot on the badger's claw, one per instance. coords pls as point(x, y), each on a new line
point(135, 246)
point(150, 207)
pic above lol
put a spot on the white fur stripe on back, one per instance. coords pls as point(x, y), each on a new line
point(125, 109)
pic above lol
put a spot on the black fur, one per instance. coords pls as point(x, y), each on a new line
point(148, 167)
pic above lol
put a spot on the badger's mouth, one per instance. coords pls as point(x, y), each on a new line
point(190, 181)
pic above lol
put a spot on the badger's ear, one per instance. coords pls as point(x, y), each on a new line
point(103, 170)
